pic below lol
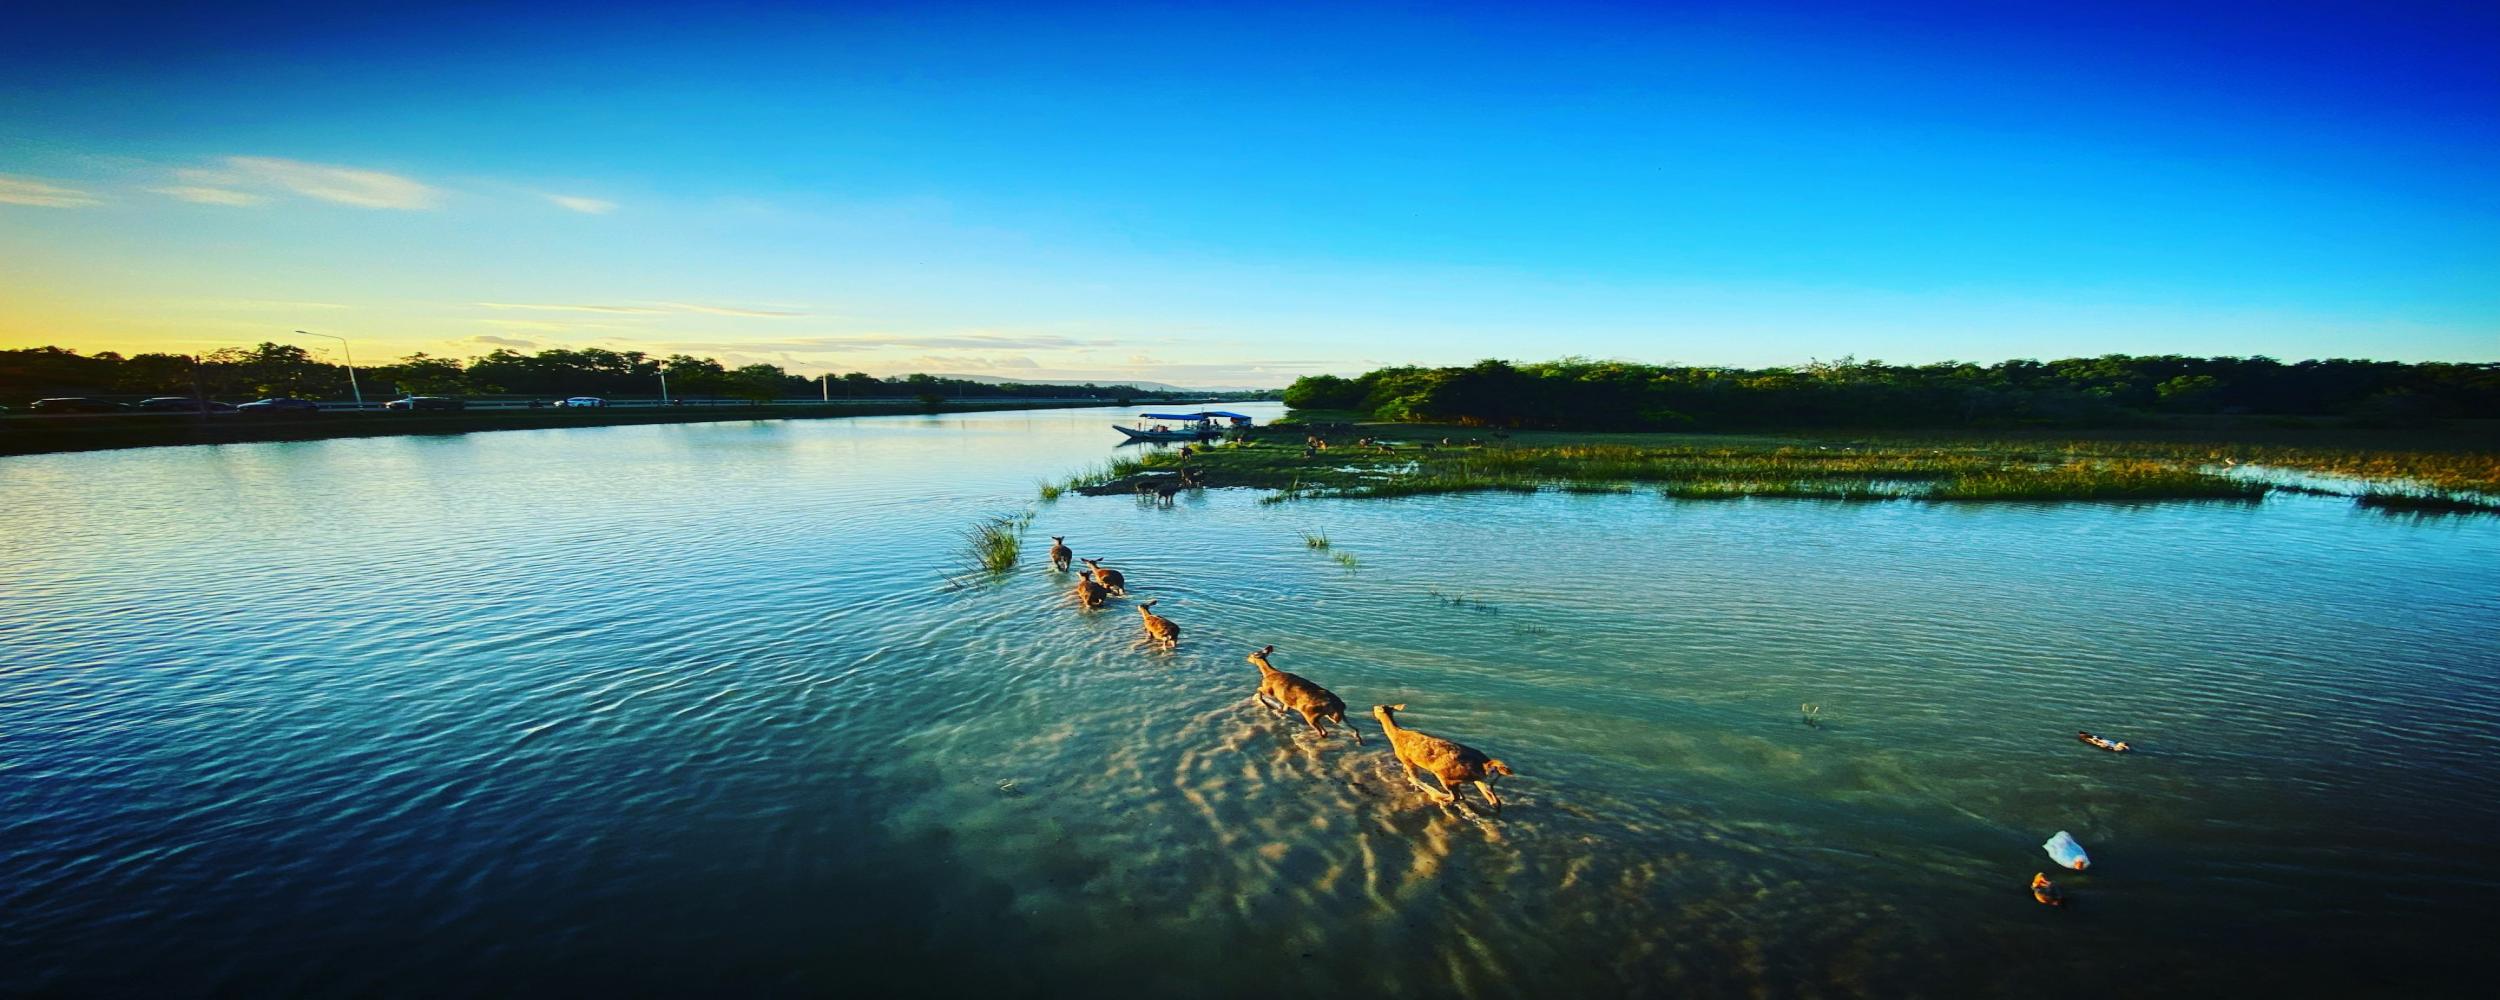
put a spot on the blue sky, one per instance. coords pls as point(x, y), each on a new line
point(1239, 196)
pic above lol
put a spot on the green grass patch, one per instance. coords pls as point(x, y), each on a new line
point(2452, 473)
point(1315, 540)
point(996, 543)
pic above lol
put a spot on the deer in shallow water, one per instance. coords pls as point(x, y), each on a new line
point(1088, 593)
point(1158, 628)
point(1293, 693)
point(1165, 489)
point(1111, 579)
point(1449, 761)
point(1060, 553)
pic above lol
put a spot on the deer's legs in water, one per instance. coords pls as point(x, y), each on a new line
point(1441, 794)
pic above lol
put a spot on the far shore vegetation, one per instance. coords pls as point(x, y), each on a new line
point(2392, 470)
point(2399, 437)
point(271, 369)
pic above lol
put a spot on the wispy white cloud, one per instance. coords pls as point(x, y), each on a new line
point(663, 307)
point(285, 304)
point(586, 206)
point(728, 311)
point(15, 190)
point(491, 340)
point(922, 342)
point(322, 181)
point(527, 324)
point(563, 307)
point(203, 195)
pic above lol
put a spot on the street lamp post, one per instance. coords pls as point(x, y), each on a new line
point(351, 365)
point(663, 372)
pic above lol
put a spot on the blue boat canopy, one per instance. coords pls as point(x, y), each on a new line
point(1206, 415)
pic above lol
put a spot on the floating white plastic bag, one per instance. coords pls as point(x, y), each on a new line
point(2066, 852)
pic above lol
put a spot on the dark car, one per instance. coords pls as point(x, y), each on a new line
point(426, 403)
point(76, 404)
point(180, 404)
point(279, 404)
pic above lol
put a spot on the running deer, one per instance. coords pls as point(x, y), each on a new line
point(1448, 761)
point(1292, 693)
point(1159, 628)
point(1111, 579)
point(1088, 593)
point(1060, 553)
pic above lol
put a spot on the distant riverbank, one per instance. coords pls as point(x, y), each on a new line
point(32, 435)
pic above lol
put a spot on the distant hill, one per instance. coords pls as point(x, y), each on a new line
point(1140, 383)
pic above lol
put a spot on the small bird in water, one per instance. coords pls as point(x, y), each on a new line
point(2046, 891)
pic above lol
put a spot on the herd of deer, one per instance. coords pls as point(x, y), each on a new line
point(1288, 694)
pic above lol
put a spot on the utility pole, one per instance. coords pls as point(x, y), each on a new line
point(351, 365)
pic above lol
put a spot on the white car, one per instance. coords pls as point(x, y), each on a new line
point(582, 401)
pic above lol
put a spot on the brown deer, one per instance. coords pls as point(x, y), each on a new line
point(1158, 628)
point(1165, 489)
point(1111, 579)
point(1449, 761)
point(1060, 553)
point(1295, 693)
point(1088, 593)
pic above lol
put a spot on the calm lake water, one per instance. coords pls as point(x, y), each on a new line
point(717, 707)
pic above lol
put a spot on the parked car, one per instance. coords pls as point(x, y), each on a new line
point(76, 404)
point(582, 401)
point(412, 403)
point(180, 404)
point(279, 404)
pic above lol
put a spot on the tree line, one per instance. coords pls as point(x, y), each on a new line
point(1585, 394)
point(286, 370)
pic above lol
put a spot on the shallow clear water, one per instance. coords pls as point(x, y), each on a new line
point(717, 706)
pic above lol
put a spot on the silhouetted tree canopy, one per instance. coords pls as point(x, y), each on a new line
point(1580, 393)
point(285, 369)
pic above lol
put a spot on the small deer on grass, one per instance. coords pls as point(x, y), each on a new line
point(1449, 761)
point(1292, 693)
point(1166, 488)
point(1159, 629)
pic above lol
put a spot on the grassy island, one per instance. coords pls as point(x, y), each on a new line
point(2396, 470)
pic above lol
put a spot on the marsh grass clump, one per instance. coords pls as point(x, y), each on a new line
point(1347, 560)
point(1860, 491)
point(1315, 540)
point(1051, 490)
point(2135, 481)
point(1467, 601)
point(2426, 501)
point(996, 542)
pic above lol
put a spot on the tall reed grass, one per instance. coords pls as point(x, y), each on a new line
point(997, 541)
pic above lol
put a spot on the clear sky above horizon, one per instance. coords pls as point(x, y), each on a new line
point(1234, 196)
